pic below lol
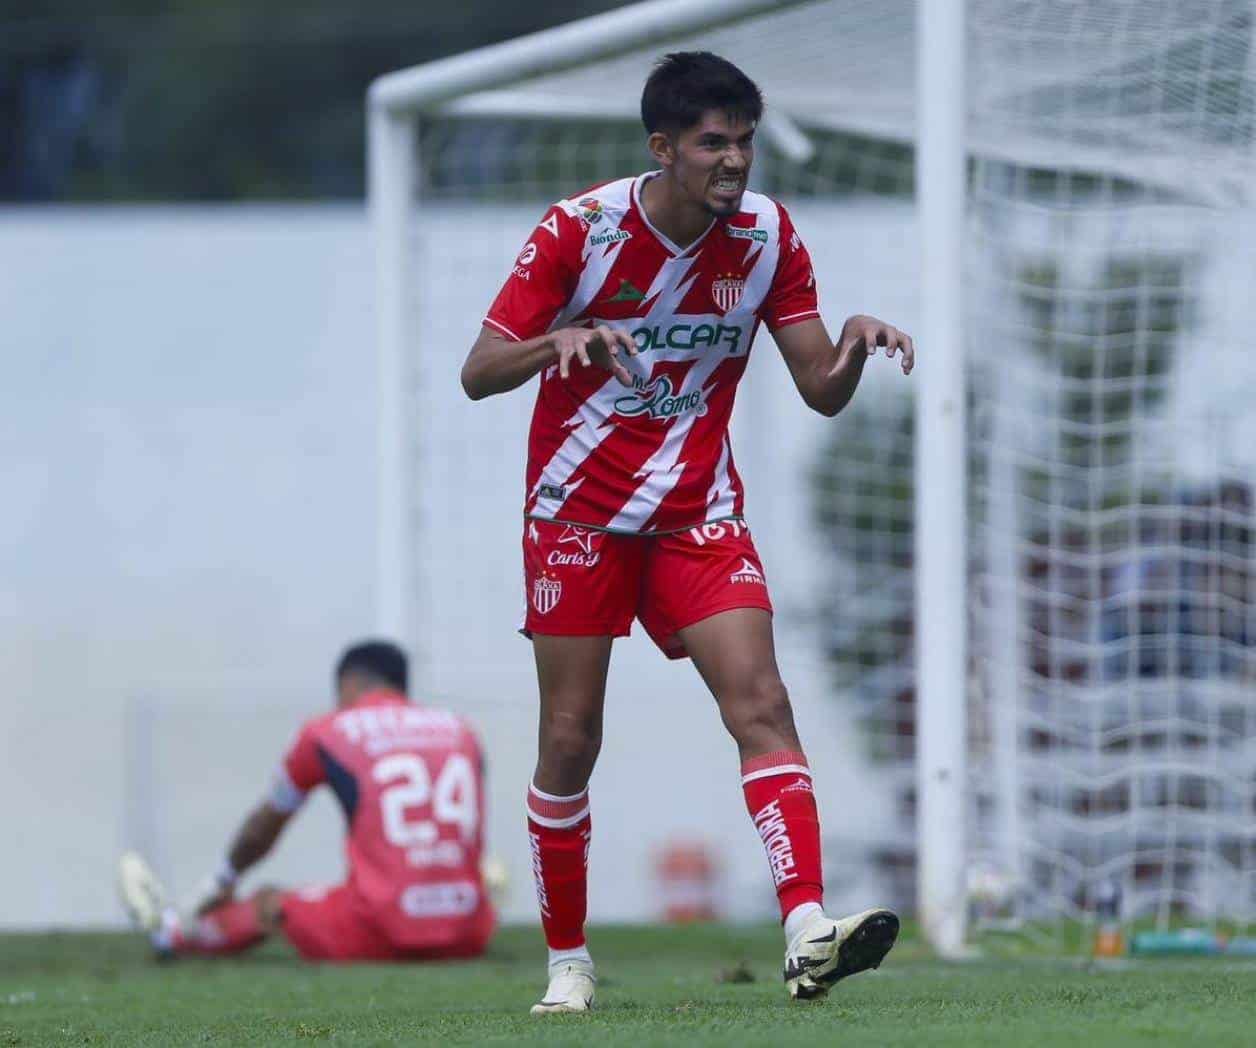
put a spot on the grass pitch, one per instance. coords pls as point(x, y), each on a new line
point(657, 986)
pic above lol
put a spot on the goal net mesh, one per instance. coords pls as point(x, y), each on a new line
point(1109, 244)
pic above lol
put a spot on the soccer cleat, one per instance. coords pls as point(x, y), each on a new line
point(827, 950)
point(570, 990)
point(141, 892)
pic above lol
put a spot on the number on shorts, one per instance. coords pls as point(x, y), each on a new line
point(714, 532)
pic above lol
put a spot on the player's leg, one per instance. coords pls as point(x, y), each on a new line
point(735, 653)
point(328, 924)
point(571, 674)
point(582, 588)
point(228, 929)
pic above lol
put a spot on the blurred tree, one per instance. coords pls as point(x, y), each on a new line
point(216, 99)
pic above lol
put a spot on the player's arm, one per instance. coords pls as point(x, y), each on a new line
point(498, 365)
point(256, 836)
point(252, 843)
point(826, 372)
point(299, 772)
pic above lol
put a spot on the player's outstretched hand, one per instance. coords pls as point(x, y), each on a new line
point(601, 346)
point(868, 333)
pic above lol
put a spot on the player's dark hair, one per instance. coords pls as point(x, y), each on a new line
point(685, 84)
point(380, 659)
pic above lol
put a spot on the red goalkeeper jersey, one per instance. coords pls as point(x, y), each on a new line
point(410, 782)
point(657, 457)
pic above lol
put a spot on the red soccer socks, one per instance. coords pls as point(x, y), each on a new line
point(559, 830)
point(781, 803)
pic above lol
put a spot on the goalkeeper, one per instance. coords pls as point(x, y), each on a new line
point(410, 781)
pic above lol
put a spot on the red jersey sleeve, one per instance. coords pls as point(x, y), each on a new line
point(793, 295)
point(543, 279)
point(300, 771)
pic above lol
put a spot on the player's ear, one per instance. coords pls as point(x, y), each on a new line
point(661, 148)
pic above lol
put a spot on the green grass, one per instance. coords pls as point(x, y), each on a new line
point(658, 986)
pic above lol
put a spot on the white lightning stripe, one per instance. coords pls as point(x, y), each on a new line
point(593, 425)
point(596, 263)
point(581, 442)
point(720, 497)
point(663, 469)
point(759, 279)
point(669, 289)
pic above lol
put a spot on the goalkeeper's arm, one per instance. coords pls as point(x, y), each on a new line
point(252, 843)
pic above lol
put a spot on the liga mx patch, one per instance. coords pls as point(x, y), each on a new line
point(726, 290)
point(546, 593)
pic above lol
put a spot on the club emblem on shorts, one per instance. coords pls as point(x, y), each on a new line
point(747, 573)
point(726, 289)
point(545, 593)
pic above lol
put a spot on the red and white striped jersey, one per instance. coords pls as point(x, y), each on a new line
point(657, 457)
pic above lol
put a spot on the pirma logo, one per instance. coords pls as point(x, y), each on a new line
point(546, 593)
point(747, 573)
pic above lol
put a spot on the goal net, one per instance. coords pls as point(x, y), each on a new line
point(1109, 246)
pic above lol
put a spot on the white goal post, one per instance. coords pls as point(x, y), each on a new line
point(1026, 576)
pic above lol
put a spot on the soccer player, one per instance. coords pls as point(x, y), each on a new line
point(636, 302)
point(409, 779)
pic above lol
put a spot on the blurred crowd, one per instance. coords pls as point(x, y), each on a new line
point(216, 99)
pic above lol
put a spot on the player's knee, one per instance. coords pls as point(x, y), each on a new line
point(762, 717)
point(268, 903)
point(570, 749)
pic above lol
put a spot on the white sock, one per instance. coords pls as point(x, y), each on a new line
point(557, 958)
point(799, 916)
point(162, 937)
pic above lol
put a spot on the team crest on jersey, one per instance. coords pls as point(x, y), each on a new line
point(726, 289)
point(590, 210)
point(546, 593)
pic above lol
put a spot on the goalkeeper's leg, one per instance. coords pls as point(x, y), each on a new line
point(227, 929)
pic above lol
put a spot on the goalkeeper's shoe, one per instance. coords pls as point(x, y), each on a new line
point(570, 990)
point(828, 950)
point(141, 892)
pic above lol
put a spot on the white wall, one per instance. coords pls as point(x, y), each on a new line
point(187, 468)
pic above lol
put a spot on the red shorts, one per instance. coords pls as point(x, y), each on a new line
point(328, 924)
point(584, 583)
